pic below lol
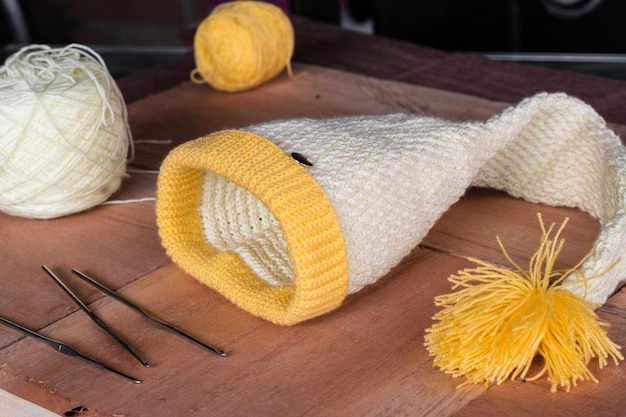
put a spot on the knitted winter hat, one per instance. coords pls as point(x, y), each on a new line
point(287, 218)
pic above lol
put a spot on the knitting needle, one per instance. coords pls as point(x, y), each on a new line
point(95, 318)
point(64, 349)
point(147, 314)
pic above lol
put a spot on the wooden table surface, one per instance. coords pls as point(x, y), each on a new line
point(366, 358)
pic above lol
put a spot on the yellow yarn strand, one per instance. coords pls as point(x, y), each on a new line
point(241, 45)
point(501, 320)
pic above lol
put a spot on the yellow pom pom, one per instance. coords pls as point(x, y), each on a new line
point(241, 45)
point(501, 320)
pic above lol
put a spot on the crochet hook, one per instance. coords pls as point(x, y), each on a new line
point(94, 317)
point(64, 349)
point(146, 313)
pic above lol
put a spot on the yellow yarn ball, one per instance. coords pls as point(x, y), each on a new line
point(64, 135)
point(241, 45)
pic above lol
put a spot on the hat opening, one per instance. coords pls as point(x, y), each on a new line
point(234, 219)
point(241, 216)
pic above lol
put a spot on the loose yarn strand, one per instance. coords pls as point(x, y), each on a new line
point(140, 171)
point(130, 201)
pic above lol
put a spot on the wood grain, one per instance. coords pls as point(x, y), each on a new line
point(365, 359)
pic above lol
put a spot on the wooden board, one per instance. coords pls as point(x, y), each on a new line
point(18, 407)
point(365, 359)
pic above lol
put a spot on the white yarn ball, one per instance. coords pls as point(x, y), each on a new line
point(64, 135)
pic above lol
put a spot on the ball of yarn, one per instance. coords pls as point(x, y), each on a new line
point(64, 135)
point(241, 45)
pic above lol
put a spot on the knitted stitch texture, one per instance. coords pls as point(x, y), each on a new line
point(298, 239)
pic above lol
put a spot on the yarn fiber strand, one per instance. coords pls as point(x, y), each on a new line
point(64, 135)
point(241, 45)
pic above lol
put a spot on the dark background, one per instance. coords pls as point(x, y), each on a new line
point(579, 35)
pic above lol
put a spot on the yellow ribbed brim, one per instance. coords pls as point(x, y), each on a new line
point(300, 206)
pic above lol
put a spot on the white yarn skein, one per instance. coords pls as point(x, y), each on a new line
point(64, 134)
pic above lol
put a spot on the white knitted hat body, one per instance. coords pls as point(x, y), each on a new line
point(387, 179)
